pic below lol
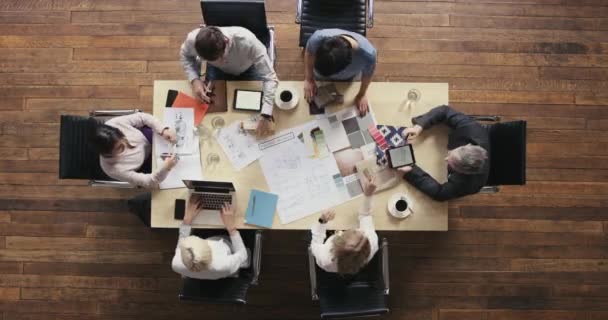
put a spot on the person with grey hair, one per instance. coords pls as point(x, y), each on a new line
point(467, 160)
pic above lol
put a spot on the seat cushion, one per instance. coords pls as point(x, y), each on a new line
point(229, 13)
point(508, 153)
point(227, 290)
point(77, 160)
point(325, 14)
point(357, 299)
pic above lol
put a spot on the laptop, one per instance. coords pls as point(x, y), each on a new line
point(215, 194)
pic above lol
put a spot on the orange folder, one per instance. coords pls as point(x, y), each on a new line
point(185, 101)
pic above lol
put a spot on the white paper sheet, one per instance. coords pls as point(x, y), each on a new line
point(187, 168)
point(182, 120)
point(242, 149)
point(304, 184)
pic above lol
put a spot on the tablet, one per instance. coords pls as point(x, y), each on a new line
point(247, 100)
point(401, 156)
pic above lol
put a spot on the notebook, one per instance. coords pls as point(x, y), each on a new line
point(261, 208)
point(178, 99)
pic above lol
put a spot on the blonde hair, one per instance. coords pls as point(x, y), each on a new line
point(196, 253)
point(351, 251)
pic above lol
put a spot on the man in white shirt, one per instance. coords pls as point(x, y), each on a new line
point(212, 258)
point(232, 53)
point(346, 252)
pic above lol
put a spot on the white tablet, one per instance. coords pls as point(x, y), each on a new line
point(247, 100)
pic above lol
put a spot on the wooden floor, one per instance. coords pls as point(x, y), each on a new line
point(68, 251)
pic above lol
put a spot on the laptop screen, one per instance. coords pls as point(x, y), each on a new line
point(209, 186)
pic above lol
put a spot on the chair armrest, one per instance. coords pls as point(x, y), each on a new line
point(385, 269)
point(486, 118)
point(112, 113)
point(271, 46)
point(299, 12)
point(489, 189)
point(257, 257)
point(312, 273)
point(111, 184)
point(370, 13)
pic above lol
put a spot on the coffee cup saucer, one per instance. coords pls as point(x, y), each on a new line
point(286, 105)
point(392, 206)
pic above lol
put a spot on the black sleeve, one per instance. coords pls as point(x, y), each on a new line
point(443, 114)
point(429, 186)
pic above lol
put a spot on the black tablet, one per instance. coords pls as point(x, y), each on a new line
point(400, 156)
point(247, 100)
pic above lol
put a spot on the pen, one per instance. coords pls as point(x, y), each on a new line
point(253, 206)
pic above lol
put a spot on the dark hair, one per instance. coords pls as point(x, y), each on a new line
point(333, 55)
point(210, 43)
point(103, 138)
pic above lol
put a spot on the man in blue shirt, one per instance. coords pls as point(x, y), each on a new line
point(339, 55)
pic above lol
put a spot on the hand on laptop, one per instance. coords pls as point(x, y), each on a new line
point(227, 214)
point(195, 204)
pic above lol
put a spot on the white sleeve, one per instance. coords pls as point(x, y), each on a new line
point(177, 264)
point(189, 60)
point(263, 67)
point(138, 120)
point(320, 250)
point(232, 262)
point(366, 225)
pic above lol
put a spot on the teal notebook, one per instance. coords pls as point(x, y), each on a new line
point(261, 208)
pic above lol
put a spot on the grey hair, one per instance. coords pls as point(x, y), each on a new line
point(469, 159)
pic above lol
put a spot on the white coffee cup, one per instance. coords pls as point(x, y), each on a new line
point(399, 206)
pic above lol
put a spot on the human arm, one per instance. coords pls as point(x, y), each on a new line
point(310, 86)
point(139, 120)
point(443, 114)
point(361, 97)
point(233, 261)
point(453, 188)
point(265, 70)
point(321, 250)
point(191, 63)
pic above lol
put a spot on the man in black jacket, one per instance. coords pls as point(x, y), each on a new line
point(468, 164)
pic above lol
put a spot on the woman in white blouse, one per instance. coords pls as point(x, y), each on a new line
point(346, 252)
point(211, 258)
point(125, 144)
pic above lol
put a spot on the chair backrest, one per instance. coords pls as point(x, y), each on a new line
point(77, 160)
point(508, 153)
point(325, 14)
point(227, 290)
point(352, 296)
point(250, 14)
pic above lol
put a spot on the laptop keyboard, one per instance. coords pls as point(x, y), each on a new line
point(215, 201)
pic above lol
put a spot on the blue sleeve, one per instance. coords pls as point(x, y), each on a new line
point(313, 43)
point(370, 55)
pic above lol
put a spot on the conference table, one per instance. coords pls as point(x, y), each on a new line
point(393, 103)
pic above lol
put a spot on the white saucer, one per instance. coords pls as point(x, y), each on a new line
point(391, 206)
point(286, 105)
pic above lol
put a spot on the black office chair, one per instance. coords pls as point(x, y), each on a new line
point(249, 14)
point(313, 15)
point(232, 289)
point(507, 154)
point(77, 160)
point(364, 294)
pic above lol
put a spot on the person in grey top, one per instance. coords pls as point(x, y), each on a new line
point(232, 53)
point(336, 54)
